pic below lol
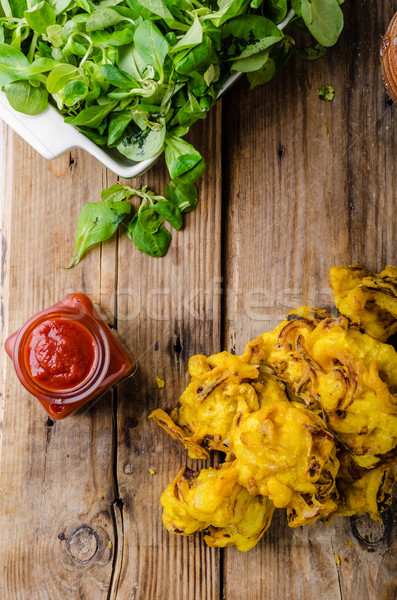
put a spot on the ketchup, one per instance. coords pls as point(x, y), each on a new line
point(66, 355)
point(61, 354)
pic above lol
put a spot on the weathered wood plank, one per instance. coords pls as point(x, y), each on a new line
point(56, 483)
point(306, 185)
point(312, 185)
point(175, 301)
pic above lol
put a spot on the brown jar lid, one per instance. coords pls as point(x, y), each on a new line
point(388, 58)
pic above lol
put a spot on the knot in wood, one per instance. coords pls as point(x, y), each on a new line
point(368, 532)
point(83, 544)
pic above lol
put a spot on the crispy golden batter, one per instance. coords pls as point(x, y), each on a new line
point(281, 351)
point(363, 491)
point(347, 376)
point(165, 421)
point(307, 417)
point(206, 409)
point(286, 453)
point(368, 299)
point(214, 501)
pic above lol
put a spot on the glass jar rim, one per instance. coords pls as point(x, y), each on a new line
point(76, 393)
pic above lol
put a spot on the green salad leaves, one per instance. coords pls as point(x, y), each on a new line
point(134, 75)
point(99, 221)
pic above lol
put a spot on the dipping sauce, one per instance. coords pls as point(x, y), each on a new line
point(66, 355)
point(61, 354)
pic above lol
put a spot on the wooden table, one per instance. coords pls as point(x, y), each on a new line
point(293, 186)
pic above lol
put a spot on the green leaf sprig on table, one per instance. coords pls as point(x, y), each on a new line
point(326, 93)
point(134, 75)
point(99, 221)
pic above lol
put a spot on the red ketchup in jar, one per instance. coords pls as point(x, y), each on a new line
point(67, 355)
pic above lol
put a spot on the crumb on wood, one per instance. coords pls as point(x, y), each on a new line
point(152, 471)
point(160, 383)
point(337, 559)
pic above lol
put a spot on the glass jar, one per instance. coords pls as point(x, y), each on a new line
point(66, 355)
point(388, 57)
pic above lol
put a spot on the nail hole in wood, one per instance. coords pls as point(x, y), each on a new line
point(177, 344)
point(131, 422)
point(72, 161)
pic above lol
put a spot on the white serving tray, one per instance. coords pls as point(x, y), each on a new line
point(51, 136)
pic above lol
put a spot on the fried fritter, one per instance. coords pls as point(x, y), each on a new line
point(286, 453)
point(342, 374)
point(363, 491)
point(280, 351)
point(307, 417)
point(207, 407)
point(212, 500)
point(368, 299)
point(165, 421)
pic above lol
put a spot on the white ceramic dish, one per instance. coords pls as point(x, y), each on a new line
point(51, 136)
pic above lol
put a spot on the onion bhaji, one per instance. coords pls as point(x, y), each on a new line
point(346, 376)
point(206, 409)
point(307, 419)
point(285, 452)
point(213, 501)
point(369, 300)
point(362, 490)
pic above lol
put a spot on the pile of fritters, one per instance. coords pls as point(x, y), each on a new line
point(306, 417)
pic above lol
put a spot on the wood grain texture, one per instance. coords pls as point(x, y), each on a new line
point(56, 482)
point(293, 185)
point(312, 185)
point(175, 301)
